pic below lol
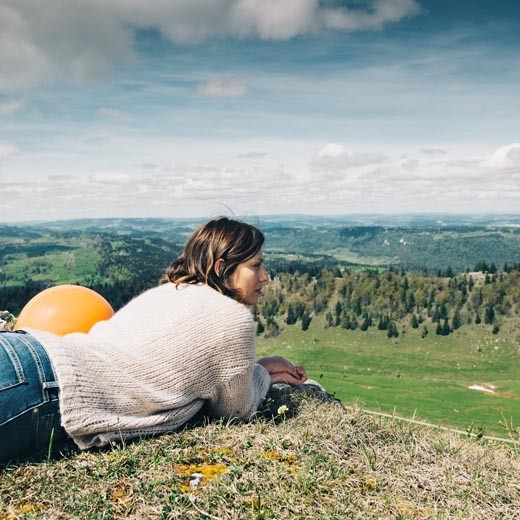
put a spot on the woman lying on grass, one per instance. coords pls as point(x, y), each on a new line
point(182, 348)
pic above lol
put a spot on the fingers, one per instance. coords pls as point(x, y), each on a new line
point(296, 381)
point(283, 371)
point(288, 378)
point(297, 370)
point(275, 364)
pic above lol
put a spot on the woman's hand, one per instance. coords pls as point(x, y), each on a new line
point(283, 371)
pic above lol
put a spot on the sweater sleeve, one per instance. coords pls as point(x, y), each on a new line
point(241, 395)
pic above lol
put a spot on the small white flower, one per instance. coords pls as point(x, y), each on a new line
point(195, 479)
point(282, 409)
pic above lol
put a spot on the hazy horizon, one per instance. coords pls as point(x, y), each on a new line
point(391, 219)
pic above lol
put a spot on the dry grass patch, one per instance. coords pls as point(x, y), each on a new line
point(324, 461)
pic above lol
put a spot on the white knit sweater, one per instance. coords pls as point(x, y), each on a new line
point(155, 364)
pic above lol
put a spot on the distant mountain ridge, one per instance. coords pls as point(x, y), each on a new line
point(408, 241)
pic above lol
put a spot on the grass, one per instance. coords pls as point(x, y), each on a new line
point(425, 378)
point(79, 261)
point(320, 460)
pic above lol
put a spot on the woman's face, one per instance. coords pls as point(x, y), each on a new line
point(249, 278)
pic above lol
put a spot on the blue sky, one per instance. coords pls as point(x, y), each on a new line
point(181, 108)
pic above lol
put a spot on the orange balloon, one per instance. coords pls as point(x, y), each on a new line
point(63, 309)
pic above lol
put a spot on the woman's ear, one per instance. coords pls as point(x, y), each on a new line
point(218, 267)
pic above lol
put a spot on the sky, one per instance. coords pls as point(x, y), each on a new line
point(198, 108)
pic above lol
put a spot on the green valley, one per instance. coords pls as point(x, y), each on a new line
point(415, 316)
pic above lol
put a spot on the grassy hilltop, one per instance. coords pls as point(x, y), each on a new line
point(318, 460)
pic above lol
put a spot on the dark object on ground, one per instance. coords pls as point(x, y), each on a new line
point(284, 400)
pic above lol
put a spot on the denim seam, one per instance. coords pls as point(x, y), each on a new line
point(41, 369)
point(15, 360)
point(36, 357)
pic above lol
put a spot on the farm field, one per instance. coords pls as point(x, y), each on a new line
point(467, 380)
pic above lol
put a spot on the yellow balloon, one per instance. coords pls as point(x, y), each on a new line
point(63, 309)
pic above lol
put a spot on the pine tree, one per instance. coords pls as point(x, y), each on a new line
point(367, 322)
point(489, 314)
point(260, 328)
point(443, 311)
point(338, 308)
point(383, 322)
point(329, 319)
point(410, 301)
point(457, 321)
point(446, 328)
point(291, 315)
point(306, 320)
point(392, 331)
point(273, 329)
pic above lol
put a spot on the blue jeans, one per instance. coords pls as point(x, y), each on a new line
point(29, 398)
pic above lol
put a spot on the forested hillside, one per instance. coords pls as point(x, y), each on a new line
point(389, 299)
point(118, 266)
point(427, 247)
point(359, 273)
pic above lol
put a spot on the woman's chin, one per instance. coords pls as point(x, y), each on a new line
point(252, 300)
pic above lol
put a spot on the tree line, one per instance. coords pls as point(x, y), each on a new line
point(363, 298)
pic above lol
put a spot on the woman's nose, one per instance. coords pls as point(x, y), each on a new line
point(264, 276)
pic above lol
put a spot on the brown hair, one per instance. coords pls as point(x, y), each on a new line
point(231, 240)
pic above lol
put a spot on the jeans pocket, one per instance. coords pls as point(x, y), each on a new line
point(11, 369)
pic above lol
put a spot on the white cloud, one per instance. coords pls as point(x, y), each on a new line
point(115, 178)
point(75, 40)
point(334, 151)
point(505, 157)
point(70, 40)
point(252, 155)
point(433, 152)
point(274, 19)
point(380, 12)
point(97, 140)
point(10, 107)
point(113, 113)
point(199, 178)
point(416, 182)
point(7, 150)
point(224, 88)
point(335, 156)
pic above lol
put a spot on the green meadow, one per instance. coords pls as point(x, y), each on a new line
point(427, 379)
point(50, 260)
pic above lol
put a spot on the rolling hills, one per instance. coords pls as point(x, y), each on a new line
point(393, 317)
